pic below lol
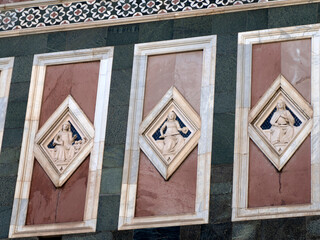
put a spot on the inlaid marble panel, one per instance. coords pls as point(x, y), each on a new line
point(169, 135)
point(58, 183)
point(276, 161)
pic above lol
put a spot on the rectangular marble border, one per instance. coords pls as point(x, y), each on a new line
point(240, 211)
point(6, 65)
point(21, 197)
point(132, 149)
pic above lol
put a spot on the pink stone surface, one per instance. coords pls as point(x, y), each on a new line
point(292, 185)
point(296, 65)
point(65, 204)
point(182, 70)
point(48, 204)
point(155, 196)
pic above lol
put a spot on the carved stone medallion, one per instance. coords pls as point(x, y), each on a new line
point(280, 122)
point(64, 141)
point(170, 132)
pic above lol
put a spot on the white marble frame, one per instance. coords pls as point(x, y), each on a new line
point(240, 211)
point(132, 149)
point(6, 65)
point(21, 198)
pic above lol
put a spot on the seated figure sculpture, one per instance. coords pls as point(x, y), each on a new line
point(282, 130)
point(173, 140)
point(63, 142)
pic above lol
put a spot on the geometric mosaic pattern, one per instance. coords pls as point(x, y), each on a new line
point(96, 10)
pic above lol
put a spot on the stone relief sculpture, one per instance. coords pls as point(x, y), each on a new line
point(280, 122)
point(65, 146)
point(64, 141)
point(169, 132)
point(282, 130)
point(172, 141)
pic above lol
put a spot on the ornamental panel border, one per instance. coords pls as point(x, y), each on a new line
point(132, 151)
point(240, 210)
point(21, 197)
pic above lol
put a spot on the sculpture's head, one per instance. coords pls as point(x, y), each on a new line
point(172, 115)
point(281, 105)
point(66, 126)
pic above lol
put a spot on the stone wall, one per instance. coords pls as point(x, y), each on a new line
point(226, 27)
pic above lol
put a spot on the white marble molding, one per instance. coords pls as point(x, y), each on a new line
point(21, 197)
point(6, 65)
point(240, 210)
point(132, 150)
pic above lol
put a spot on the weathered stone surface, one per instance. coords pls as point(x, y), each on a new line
point(89, 38)
point(156, 31)
point(190, 232)
point(89, 236)
point(168, 233)
point(223, 137)
point(313, 227)
point(246, 230)
point(216, 231)
point(293, 15)
point(113, 156)
point(122, 35)
point(220, 208)
point(111, 181)
point(192, 27)
point(122, 235)
point(108, 212)
point(286, 228)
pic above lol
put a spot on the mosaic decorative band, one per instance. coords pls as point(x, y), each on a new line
point(96, 10)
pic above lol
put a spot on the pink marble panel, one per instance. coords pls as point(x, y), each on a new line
point(155, 196)
point(296, 65)
point(266, 67)
point(63, 204)
point(292, 185)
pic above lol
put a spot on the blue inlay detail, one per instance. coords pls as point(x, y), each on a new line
point(267, 125)
point(157, 134)
point(74, 132)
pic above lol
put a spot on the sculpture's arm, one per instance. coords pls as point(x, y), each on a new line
point(162, 129)
point(178, 126)
point(56, 140)
point(290, 118)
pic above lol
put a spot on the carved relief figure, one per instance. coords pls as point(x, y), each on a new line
point(282, 130)
point(65, 146)
point(64, 151)
point(173, 140)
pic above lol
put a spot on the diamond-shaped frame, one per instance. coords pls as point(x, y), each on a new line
point(172, 101)
point(67, 111)
point(281, 89)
